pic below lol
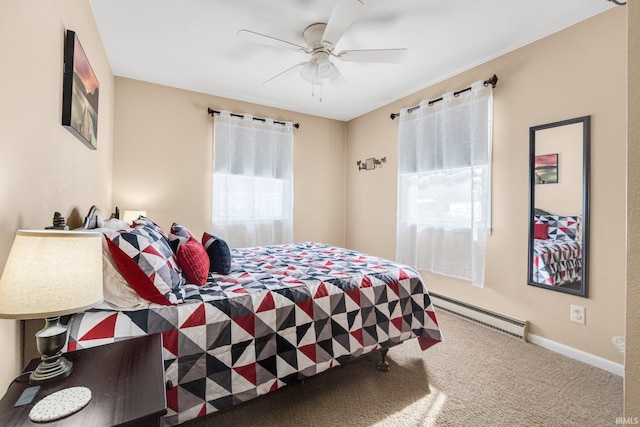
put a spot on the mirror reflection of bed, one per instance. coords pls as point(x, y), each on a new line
point(557, 250)
point(557, 211)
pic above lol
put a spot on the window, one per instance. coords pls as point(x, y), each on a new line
point(251, 198)
point(443, 199)
point(444, 184)
point(252, 181)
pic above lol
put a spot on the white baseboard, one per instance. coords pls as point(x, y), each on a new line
point(582, 356)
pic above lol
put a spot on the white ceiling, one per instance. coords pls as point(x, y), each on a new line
point(192, 44)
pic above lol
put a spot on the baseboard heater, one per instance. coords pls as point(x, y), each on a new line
point(497, 322)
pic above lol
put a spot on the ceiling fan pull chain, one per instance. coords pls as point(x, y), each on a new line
point(317, 87)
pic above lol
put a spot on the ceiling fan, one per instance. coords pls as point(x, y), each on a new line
point(321, 40)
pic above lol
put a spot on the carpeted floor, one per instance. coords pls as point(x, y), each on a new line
point(476, 377)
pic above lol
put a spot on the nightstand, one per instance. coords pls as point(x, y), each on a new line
point(126, 380)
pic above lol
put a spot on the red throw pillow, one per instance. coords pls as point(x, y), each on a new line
point(541, 231)
point(191, 256)
point(194, 262)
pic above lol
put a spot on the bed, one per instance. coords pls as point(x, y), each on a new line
point(273, 315)
point(557, 250)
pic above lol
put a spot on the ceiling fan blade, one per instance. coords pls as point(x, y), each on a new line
point(342, 16)
point(284, 72)
point(390, 56)
point(270, 41)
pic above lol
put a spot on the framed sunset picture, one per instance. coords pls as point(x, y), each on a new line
point(546, 169)
point(80, 91)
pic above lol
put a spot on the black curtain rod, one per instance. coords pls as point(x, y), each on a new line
point(493, 80)
point(212, 112)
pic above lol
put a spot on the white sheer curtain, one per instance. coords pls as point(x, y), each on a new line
point(444, 184)
point(252, 181)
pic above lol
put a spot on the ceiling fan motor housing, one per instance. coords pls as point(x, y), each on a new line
point(312, 35)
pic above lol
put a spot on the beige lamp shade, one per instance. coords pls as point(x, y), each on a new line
point(130, 216)
point(51, 273)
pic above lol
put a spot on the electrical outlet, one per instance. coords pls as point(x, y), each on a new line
point(577, 314)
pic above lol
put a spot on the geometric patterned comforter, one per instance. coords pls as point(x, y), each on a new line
point(557, 262)
point(283, 313)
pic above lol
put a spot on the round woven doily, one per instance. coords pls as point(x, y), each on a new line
point(60, 404)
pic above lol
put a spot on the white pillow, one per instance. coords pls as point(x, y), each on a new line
point(117, 292)
point(113, 224)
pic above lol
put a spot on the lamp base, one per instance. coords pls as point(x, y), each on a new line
point(49, 371)
point(50, 341)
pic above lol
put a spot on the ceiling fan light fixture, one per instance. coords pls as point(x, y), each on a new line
point(309, 71)
point(320, 71)
point(325, 68)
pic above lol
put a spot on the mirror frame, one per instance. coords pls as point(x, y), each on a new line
point(586, 142)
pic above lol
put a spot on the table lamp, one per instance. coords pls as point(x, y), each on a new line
point(48, 274)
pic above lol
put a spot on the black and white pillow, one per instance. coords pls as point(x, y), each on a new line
point(146, 261)
point(561, 227)
point(219, 253)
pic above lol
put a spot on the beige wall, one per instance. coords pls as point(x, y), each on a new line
point(632, 354)
point(579, 71)
point(43, 167)
point(163, 160)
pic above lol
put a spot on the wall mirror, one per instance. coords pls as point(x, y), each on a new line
point(559, 206)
